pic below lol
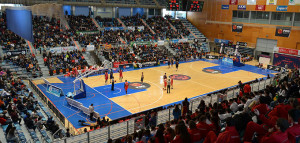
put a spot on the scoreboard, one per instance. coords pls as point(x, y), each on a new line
point(175, 5)
point(185, 5)
point(195, 6)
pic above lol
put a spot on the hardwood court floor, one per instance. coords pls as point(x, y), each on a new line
point(200, 83)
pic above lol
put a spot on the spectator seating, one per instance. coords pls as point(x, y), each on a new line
point(162, 28)
point(121, 1)
point(81, 23)
point(48, 33)
point(147, 2)
point(107, 22)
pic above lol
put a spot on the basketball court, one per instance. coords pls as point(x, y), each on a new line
point(193, 79)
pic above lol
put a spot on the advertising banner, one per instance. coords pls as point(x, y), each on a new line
point(131, 28)
point(281, 60)
point(281, 8)
point(140, 27)
point(160, 43)
point(274, 68)
point(260, 7)
point(251, 2)
point(241, 44)
point(196, 40)
point(149, 64)
point(233, 2)
point(294, 2)
point(15, 53)
point(283, 31)
point(55, 50)
point(221, 41)
point(225, 7)
point(183, 40)
point(287, 51)
point(241, 7)
point(114, 28)
point(90, 47)
point(271, 2)
point(174, 40)
point(68, 49)
point(62, 49)
point(237, 27)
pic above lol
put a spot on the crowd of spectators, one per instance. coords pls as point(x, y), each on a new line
point(140, 35)
point(185, 52)
point(64, 62)
point(103, 37)
point(8, 39)
point(162, 28)
point(28, 62)
point(119, 54)
point(81, 23)
point(107, 22)
point(150, 53)
point(135, 33)
point(19, 107)
point(180, 27)
point(48, 33)
point(133, 20)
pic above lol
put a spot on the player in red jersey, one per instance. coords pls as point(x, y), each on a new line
point(106, 77)
point(126, 86)
point(121, 75)
point(171, 82)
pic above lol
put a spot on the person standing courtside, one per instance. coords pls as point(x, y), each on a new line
point(177, 63)
point(91, 110)
point(169, 86)
point(113, 84)
point(142, 78)
point(111, 75)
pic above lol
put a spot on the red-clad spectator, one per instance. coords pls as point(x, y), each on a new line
point(279, 135)
point(3, 120)
point(294, 131)
point(262, 107)
point(262, 129)
point(182, 134)
point(281, 110)
point(230, 135)
point(194, 132)
point(169, 136)
point(247, 88)
point(203, 126)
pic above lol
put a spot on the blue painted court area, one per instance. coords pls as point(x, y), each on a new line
point(225, 68)
point(119, 90)
point(100, 96)
point(102, 104)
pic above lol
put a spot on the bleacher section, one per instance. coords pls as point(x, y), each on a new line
point(161, 2)
point(121, 1)
point(107, 22)
point(147, 2)
point(195, 33)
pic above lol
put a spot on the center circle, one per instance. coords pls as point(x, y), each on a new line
point(180, 77)
point(138, 85)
